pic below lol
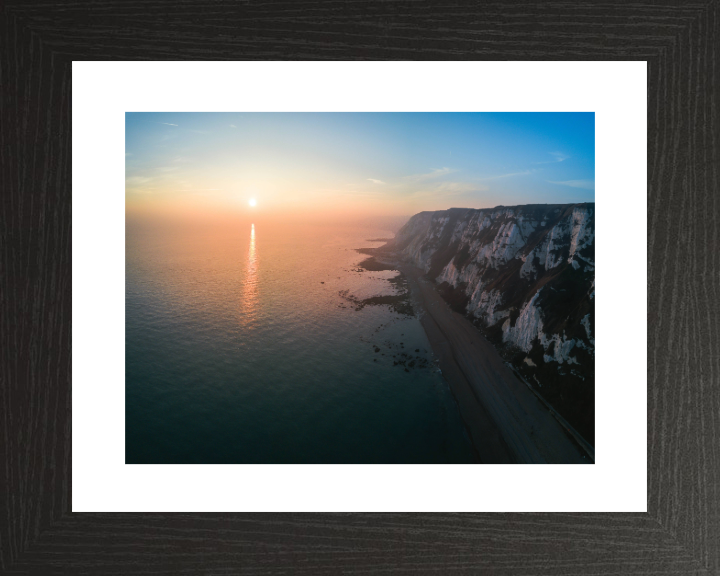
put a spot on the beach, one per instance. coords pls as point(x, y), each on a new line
point(506, 421)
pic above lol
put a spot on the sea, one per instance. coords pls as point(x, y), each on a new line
point(244, 344)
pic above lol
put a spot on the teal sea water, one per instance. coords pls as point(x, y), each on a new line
point(241, 349)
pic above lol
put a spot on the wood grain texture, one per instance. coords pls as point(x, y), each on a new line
point(681, 531)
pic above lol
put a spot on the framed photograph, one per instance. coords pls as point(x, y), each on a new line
point(352, 325)
point(321, 317)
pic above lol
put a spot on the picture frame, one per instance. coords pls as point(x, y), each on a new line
point(680, 532)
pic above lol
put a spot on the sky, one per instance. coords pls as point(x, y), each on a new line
point(340, 164)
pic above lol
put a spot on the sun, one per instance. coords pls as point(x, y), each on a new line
point(252, 202)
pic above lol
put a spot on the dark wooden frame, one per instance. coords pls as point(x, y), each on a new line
point(680, 533)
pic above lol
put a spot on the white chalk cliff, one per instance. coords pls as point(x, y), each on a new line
point(525, 276)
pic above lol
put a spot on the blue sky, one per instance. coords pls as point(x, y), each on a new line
point(377, 163)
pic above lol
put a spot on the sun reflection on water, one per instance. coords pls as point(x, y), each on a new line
point(250, 290)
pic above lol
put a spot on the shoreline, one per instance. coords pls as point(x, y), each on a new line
point(506, 421)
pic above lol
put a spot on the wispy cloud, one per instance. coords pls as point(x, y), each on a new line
point(558, 157)
point(347, 192)
point(459, 187)
point(585, 184)
point(435, 173)
point(233, 126)
point(128, 154)
point(446, 189)
point(133, 181)
point(198, 190)
point(523, 173)
point(375, 181)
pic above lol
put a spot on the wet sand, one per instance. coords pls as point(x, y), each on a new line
point(507, 422)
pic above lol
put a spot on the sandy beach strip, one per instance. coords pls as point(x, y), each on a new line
point(507, 422)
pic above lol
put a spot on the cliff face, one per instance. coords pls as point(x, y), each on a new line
point(526, 276)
